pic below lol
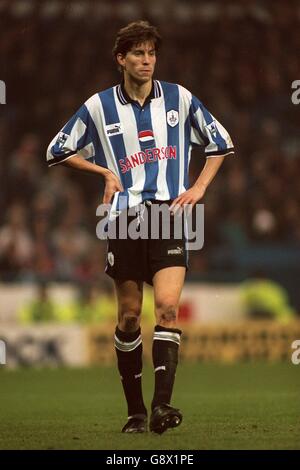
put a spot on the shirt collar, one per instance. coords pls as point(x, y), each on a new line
point(125, 98)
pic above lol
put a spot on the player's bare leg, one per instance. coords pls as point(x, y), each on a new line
point(130, 299)
point(167, 284)
point(128, 345)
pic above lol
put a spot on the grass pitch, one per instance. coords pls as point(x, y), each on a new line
point(242, 406)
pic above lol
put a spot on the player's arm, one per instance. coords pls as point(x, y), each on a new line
point(112, 182)
point(197, 191)
point(207, 132)
point(73, 147)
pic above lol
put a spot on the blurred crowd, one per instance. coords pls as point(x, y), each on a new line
point(239, 58)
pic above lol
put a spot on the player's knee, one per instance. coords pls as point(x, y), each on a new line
point(130, 321)
point(166, 314)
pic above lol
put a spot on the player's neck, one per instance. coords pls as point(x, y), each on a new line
point(137, 91)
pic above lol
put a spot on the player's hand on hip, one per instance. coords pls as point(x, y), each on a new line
point(112, 185)
point(188, 199)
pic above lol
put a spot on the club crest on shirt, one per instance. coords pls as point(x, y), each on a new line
point(172, 118)
point(114, 129)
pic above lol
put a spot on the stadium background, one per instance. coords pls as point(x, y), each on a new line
point(241, 303)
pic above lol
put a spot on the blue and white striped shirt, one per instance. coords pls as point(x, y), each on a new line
point(148, 147)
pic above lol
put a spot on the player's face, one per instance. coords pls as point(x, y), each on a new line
point(139, 62)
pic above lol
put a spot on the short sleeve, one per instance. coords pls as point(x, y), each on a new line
point(73, 138)
point(208, 132)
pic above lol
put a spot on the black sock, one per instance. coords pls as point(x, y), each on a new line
point(129, 354)
point(165, 358)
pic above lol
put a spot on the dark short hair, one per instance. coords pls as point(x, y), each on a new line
point(133, 34)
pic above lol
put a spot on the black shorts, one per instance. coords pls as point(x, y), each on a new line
point(140, 259)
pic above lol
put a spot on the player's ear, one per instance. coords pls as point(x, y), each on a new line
point(121, 59)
